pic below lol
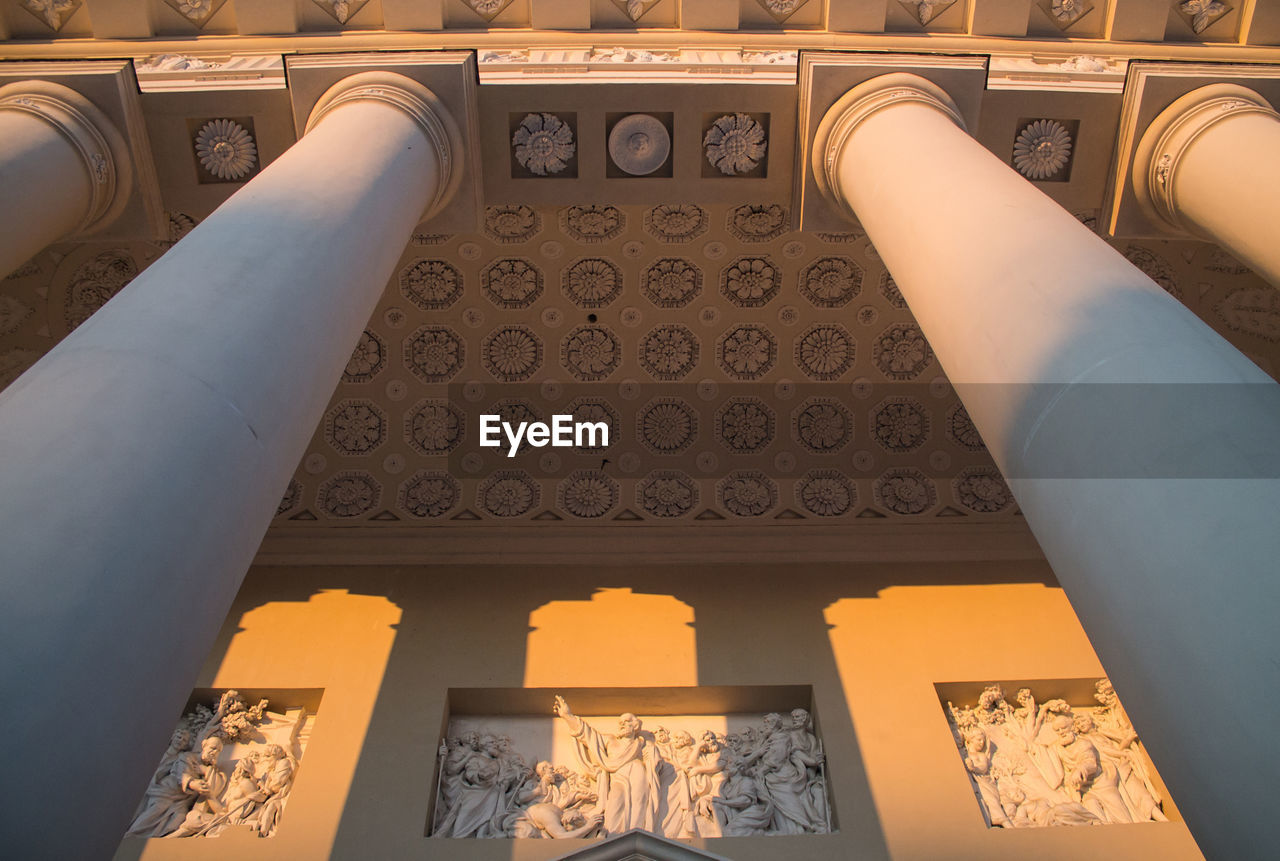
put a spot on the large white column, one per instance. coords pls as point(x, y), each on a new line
point(145, 455)
point(1209, 164)
point(64, 169)
point(1140, 445)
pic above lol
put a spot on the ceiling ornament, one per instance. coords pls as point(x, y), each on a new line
point(292, 498)
point(511, 224)
point(961, 429)
point(512, 354)
point(12, 314)
point(592, 223)
point(745, 425)
point(900, 425)
point(1201, 14)
point(889, 290)
point(757, 223)
point(487, 9)
point(508, 493)
point(735, 144)
point(747, 352)
point(434, 427)
point(901, 352)
point(96, 281)
point(669, 352)
point(671, 282)
point(925, 11)
point(434, 354)
point(226, 149)
point(826, 493)
point(355, 427)
point(831, 282)
point(54, 13)
point(429, 493)
point(1154, 267)
point(587, 493)
point(747, 493)
point(1064, 13)
point(667, 493)
point(676, 223)
point(198, 12)
point(543, 144)
point(367, 359)
point(822, 425)
point(1252, 310)
point(511, 283)
point(751, 282)
point(639, 144)
point(982, 489)
point(432, 285)
point(904, 490)
point(593, 282)
point(1042, 149)
point(595, 409)
point(591, 353)
point(781, 10)
point(824, 352)
point(341, 10)
point(667, 425)
point(635, 9)
point(349, 494)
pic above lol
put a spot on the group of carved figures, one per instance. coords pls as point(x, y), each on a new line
point(192, 794)
point(767, 780)
point(1049, 764)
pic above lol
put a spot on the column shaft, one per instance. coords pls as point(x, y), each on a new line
point(146, 454)
point(1086, 381)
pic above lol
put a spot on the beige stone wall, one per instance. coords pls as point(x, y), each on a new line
point(387, 643)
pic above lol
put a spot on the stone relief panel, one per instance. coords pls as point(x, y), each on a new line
point(229, 765)
point(677, 776)
point(1050, 763)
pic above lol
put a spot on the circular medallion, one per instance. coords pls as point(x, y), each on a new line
point(639, 144)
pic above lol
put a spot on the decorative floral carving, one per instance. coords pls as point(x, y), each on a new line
point(12, 314)
point(429, 493)
point(1042, 149)
point(781, 10)
point(822, 425)
point(487, 9)
point(591, 353)
point(891, 293)
point(1154, 267)
point(514, 411)
point(508, 493)
point(292, 498)
point(905, 491)
point(961, 430)
point(592, 283)
point(826, 492)
point(757, 223)
point(926, 10)
point(676, 223)
point(180, 224)
point(543, 144)
point(355, 427)
point(587, 493)
point(831, 282)
point(735, 143)
point(512, 223)
point(745, 425)
point(341, 10)
point(824, 351)
point(511, 283)
point(982, 489)
point(226, 149)
point(511, 353)
point(595, 409)
point(96, 281)
point(900, 424)
point(1252, 310)
point(54, 13)
point(671, 282)
point(901, 352)
point(667, 493)
point(367, 360)
point(1064, 13)
point(432, 285)
point(349, 494)
point(669, 352)
point(592, 223)
point(747, 493)
point(635, 9)
point(434, 427)
point(747, 352)
point(667, 425)
point(750, 282)
point(1200, 14)
point(434, 354)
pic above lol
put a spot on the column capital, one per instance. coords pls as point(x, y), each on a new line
point(856, 106)
point(416, 101)
point(1155, 163)
point(101, 147)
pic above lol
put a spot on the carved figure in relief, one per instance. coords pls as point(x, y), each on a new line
point(741, 809)
point(204, 781)
point(546, 807)
point(784, 772)
point(166, 802)
point(479, 797)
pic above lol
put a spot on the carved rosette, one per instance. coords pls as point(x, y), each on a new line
point(341, 10)
point(53, 13)
point(667, 493)
point(1202, 14)
point(826, 493)
point(1042, 149)
point(925, 11)
point(543, 144)
point(197, 12)
point(735, 143)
